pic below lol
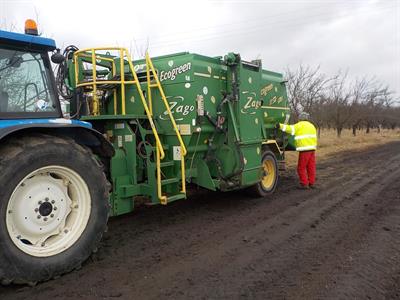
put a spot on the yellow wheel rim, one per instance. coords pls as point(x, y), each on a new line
point(270, 174)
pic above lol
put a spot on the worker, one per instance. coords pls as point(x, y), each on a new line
point(305, 137)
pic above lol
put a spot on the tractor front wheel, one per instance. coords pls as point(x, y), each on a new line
point(53, 207)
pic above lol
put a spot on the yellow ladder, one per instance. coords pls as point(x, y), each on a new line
point(90, 56)
point(157, 84)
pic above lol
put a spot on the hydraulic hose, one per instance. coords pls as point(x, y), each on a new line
point(62, 73)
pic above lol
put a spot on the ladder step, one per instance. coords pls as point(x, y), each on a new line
point(153, 85)
point(167, 163)
point(169, 181)
point(176, 197)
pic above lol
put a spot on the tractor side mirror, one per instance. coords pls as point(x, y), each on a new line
point(57, 57)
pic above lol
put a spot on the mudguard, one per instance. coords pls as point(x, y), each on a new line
point(82, 132)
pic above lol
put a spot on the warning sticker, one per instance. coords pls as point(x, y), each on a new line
point(177, 152)
point(120, 141)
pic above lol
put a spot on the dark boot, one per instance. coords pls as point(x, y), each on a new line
point(302, 187)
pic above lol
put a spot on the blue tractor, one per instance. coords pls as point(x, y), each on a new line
point(54, 190)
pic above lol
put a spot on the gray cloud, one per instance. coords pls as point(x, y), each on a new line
point(359, 35)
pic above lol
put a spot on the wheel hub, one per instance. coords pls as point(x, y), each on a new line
point(45, 209)
point(35, 217)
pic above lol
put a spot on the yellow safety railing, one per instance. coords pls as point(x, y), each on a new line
point(90, 54)
point(122, 82)
point(95, 82)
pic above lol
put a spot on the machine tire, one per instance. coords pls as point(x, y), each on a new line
point(269, 182)
point(30, 163)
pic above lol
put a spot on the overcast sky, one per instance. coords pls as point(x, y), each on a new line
point(362, 36)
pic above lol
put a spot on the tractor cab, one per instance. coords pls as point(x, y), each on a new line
point(27, 88)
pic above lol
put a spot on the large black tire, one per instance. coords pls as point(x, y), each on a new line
point(22, 157)
point(270, 180)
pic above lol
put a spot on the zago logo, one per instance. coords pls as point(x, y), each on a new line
point(251, 103)
point(171, 74)
point(177, 108)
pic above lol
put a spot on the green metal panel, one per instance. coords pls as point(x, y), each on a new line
point(123, 166)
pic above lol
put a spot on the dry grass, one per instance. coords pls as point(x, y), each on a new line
point(329, 144)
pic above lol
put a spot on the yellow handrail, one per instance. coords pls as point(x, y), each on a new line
point(183, 190)
point(149, 87)
point(163, 199)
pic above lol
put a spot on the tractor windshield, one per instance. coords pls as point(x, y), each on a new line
point(25, 84)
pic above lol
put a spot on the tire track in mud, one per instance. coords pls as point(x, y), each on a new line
point(341, 240)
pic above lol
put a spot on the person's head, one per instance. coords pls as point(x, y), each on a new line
point(304, 116)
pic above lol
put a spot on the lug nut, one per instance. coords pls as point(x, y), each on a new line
point(46, 199)
point(52, 201)
point(39, 216)
point(52, 216)
point(66, 231)
point(40, 202)
point(45, 219)
point(36, 209)
point(55, 208)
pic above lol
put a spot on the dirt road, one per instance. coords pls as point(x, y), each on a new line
point(341, 241)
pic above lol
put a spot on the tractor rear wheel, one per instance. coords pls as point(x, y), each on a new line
point(269, 180)
point(53, 207)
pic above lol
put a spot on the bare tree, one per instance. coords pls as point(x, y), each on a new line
point(334, 102)
point(305, 87)
point(338, 103)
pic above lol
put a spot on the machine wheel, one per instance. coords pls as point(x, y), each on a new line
point(269, 181)
point(53, 206)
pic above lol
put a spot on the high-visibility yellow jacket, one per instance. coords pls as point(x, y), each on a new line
point(305, 135)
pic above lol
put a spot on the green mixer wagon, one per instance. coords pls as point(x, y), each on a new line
point(180, 119)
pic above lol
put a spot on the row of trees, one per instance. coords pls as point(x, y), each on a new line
point(337, 102)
